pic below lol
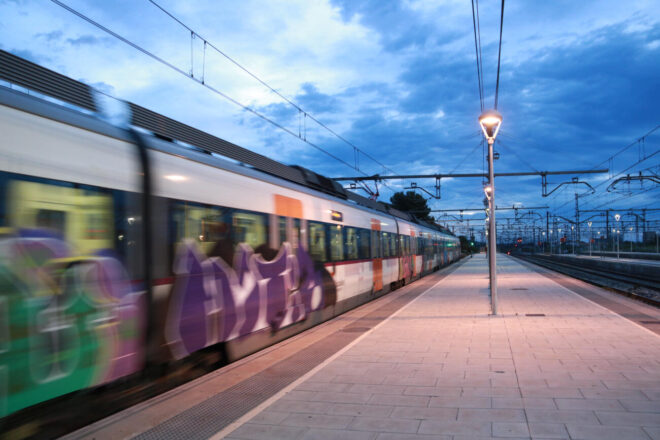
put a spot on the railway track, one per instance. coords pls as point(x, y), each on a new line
point(640, 288)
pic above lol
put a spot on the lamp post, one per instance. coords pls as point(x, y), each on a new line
point(573, 237)
point(490, 122)
point(543, 246)
point(590, 237)
point(617, 217)
point(559, 238)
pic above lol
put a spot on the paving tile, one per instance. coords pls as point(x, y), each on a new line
point(433, 391)
point(594, 393)
point(641, 405)
point(300, 395)
point(589, 404)
point(548, 430)
point(471, 429)
point(251, 431)
point(394, 400)
point(384, 425)
point(389, 436)
point(523, 402)
point(351, 409)
point(317, 420)
point(363, 379)
point(407, 412)
point(269, 417)
point(568, 393)
point(654, 433)
point(491, 415)
point(410, 381)
point(460, 402)
point(491, 392)
point(560, 416)
point(503, 429)
point(334, 434)
point(599, 432)
point(376, 389)
point(297, 406)
point(323, 386)
point(621, 418)
point(336, 397)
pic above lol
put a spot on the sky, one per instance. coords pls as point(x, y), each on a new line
point(397, 80)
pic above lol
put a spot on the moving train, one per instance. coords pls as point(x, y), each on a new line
point(127, 247)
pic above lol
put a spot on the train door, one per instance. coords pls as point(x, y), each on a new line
point(413, 256)
point(288, 215)
point(377, 259)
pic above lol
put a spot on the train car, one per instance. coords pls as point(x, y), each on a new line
point(121, 249)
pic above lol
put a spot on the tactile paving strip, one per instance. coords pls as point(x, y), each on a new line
point(214, 414)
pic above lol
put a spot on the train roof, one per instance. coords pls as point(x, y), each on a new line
point(16, 70)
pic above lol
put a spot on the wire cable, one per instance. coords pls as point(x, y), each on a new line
point(476, 50)
point(499, 56)
point(481, 57)
point(290, 102)
point(512, 151)
point(218, 92)
point(465, 158)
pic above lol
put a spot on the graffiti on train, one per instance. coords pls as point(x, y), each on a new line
point(212, 302)
point(66, 322)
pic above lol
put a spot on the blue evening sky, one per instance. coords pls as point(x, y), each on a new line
point(580, 80)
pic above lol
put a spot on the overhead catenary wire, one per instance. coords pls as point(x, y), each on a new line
point(273, 90)
point(597, 198)
point(214, 90)
point(466, 157)
point(477, 52)
point(481, 57)
point(499, 57)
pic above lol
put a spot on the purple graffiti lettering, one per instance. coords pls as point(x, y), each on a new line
point(232, 302)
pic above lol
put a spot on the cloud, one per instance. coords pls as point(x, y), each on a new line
point(87, 40)
point(51, 36)
point(316, 102)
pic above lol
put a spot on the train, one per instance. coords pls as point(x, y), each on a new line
point(122, 247)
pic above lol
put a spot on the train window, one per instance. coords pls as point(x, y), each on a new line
point(364, 244)
point(295, 237)
point(375, 245)
point(208, 226)
point(385, 239)
point(393, 246)
point(336, 243)
point(97, 225)
point(317, 248)
point(281, 226)
point(250, 228)
point(51, 219)
point(81, 216)
point(351, 244)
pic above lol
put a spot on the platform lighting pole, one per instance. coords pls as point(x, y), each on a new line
point(573, 237)
point(590, 237)
point(631, 242)
point(490, 122)
point(617, 217)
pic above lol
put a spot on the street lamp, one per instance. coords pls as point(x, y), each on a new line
point(617, 217)
point(590, 237)
point(490, 122)
point(573, 237)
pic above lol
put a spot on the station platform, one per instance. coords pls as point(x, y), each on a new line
point(428, 361)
